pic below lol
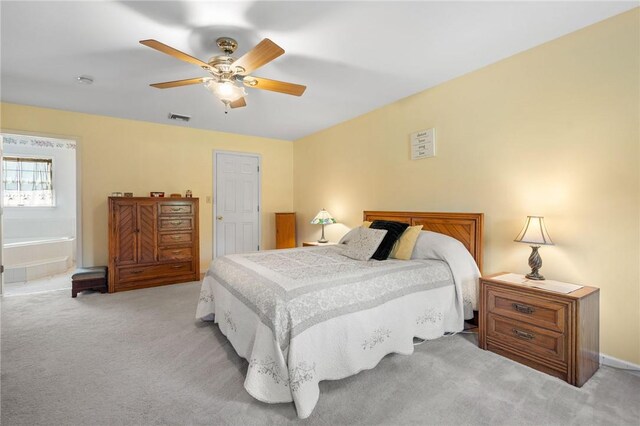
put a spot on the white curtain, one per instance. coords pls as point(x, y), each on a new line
point(27, 182)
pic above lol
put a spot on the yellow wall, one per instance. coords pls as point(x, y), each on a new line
point(553, 131)
point(133, 156)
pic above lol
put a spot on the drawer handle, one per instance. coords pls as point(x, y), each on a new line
point(176, 209)
point(523, 334)
point(137, 272)
point(176, 266)
point(523, 308)
point(176, 222)
point(176, 237)
point(176, 251)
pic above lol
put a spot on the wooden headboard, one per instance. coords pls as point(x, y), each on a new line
point(464, 227)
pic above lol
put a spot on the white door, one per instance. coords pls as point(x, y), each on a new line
point(236, 203)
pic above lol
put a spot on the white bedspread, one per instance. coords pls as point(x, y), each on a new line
point(300, 316)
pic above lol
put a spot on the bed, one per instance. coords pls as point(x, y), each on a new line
point(303, 315)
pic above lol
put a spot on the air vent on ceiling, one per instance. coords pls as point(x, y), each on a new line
point(179, 117)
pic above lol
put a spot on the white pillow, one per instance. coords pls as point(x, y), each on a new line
point(364, 243)
point(432, 245)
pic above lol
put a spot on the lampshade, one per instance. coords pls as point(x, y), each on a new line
point(226, 91)
point(534, 232)
point(323, 218)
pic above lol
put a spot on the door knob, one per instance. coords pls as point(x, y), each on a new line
point(219, 217)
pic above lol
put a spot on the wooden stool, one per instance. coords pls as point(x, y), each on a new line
point(92, 278)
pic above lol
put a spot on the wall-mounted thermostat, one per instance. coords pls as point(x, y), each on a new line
point(423, 144)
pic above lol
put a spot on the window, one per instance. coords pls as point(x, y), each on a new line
point(28, 182)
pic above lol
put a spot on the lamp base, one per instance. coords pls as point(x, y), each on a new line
point(535, 276)
point(322, 239)
point(535, 263)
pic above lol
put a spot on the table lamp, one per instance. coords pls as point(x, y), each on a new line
point(535, 234)
point(323, 218)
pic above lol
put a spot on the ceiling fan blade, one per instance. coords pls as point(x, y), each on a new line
point(264, 52)
point(161, 47)
point(178, 83)
point(275, 85)
point(238, 103)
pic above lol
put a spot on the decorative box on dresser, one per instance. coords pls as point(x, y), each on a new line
point(285, 230)
point(152, 241)
point(553, 332)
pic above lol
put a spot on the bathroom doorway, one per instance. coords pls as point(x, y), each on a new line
point(40, 213)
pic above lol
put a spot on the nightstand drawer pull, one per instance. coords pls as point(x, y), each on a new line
point(523, 334)
point(176, 222)
point(523, 308)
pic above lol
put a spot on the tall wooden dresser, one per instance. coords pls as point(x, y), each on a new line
point(152, 241)
point(285, 230)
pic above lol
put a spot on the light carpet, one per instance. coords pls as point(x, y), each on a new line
point(140, 358)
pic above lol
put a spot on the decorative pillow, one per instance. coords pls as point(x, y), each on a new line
point(394, 231)
point(349, 236)
point(364, 243)
point(404, 246)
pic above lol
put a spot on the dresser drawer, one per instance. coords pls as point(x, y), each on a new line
point(176, 208)
point(176, 253)
point(175, 223)
point(529, 309)
point(176, 238)
point(527, 338)
point(152, 271)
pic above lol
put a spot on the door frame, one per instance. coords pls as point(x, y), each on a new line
point(77, 140)
point(214, 193)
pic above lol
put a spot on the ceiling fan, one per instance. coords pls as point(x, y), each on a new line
point(226, 70)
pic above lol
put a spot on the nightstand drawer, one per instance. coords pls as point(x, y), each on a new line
point(527, 338)
point(529, 309)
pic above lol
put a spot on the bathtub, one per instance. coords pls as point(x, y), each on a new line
point(29, 259)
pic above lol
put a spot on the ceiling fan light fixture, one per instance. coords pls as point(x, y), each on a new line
point(226, 91)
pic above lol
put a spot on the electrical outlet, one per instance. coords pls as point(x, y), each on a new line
point(208, 199)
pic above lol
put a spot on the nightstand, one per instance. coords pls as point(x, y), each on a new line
point(315, 243)
point(553, 332)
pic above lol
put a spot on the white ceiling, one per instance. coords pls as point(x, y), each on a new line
point(353, 56)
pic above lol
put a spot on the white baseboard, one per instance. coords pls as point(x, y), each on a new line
point(618, 363)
